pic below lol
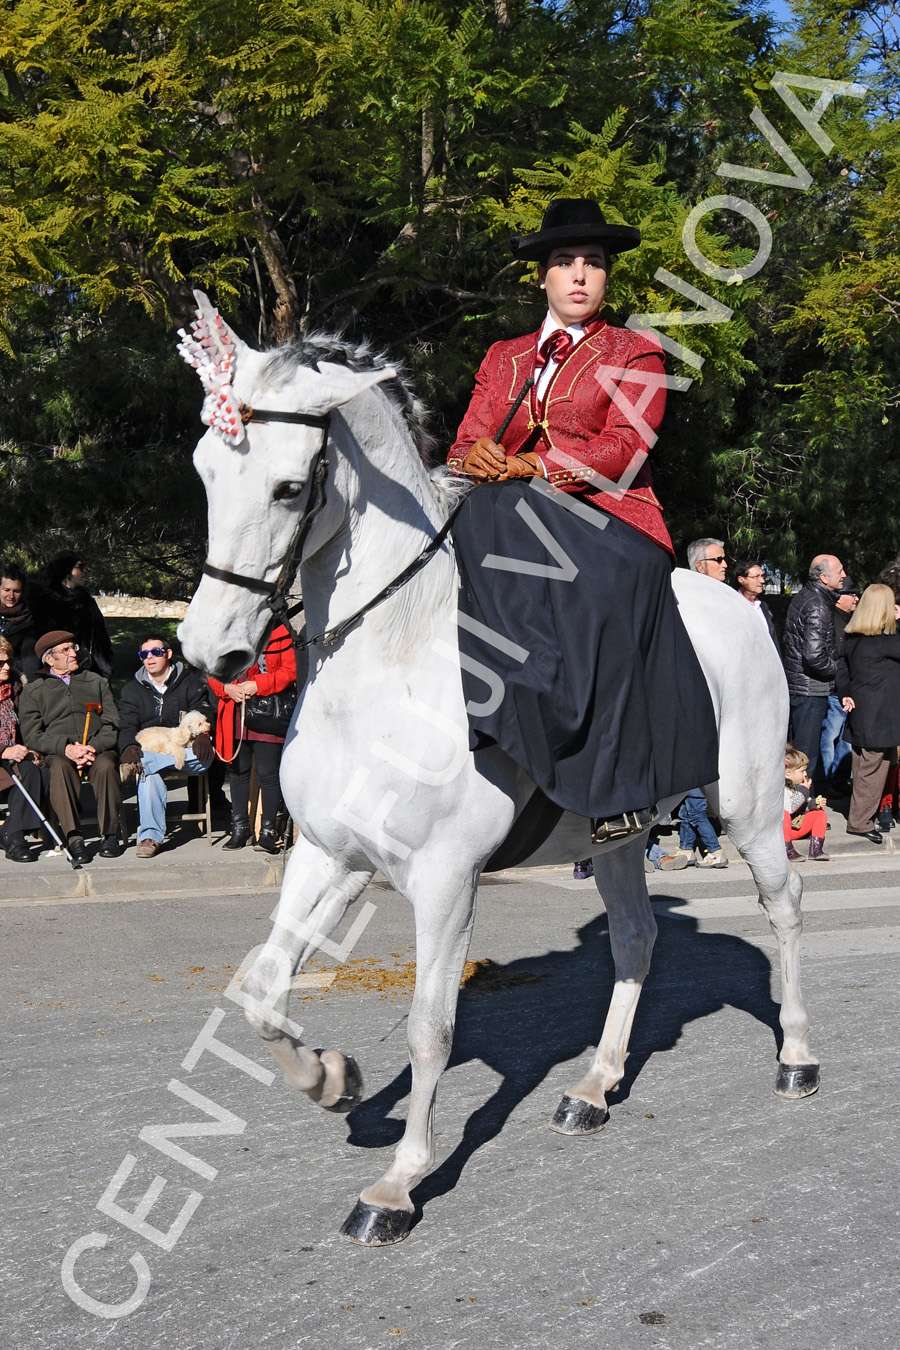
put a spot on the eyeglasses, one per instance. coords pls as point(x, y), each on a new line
point(151, 651)
point(3, 662)
point(721, 558)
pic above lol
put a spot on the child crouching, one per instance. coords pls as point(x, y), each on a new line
point(802, 815)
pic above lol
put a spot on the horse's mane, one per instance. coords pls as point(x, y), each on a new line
point(358, 356)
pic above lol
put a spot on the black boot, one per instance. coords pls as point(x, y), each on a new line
point(267, 841)
point(240, 832)
point(16, 848)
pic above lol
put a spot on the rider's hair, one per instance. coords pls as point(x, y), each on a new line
point(875, 613)
point(696, 549)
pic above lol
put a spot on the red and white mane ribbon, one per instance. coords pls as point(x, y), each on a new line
point(210, 350)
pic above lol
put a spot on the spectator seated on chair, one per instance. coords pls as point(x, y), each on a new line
point(70, 717)
point(162, 694)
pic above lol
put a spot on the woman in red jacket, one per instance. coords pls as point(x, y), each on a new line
point(595, 688)
point(239, 747)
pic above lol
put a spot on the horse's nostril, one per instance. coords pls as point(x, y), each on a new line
point(230, 664)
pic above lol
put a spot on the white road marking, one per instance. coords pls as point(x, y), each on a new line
point(814, 902)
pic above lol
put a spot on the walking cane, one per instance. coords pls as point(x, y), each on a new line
point(88, 709)
point(41, 817)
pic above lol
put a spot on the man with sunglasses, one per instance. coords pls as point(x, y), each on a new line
point(707, 556)
point(160, 694)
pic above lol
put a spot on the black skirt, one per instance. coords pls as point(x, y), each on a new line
point(586, 676)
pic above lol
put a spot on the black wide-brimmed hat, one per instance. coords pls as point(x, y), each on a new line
point(573, 220)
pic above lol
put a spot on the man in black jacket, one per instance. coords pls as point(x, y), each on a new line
point(809, 654)
point(162, 691)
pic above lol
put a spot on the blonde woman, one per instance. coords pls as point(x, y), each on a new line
point(868, 684)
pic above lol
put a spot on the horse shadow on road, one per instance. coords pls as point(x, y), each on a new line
point(539, 1012)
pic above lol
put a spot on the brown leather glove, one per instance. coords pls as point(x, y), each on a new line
point(203, 748)
point(132, 754)
point(524, 466)
point(486, 461)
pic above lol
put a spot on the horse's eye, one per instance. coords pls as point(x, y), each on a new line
point(287, 492)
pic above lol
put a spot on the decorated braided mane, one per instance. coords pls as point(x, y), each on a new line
point(359, 357)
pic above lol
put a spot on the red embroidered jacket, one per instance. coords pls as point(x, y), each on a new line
point(579, 420)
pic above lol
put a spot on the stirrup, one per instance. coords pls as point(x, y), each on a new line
point(620, 827)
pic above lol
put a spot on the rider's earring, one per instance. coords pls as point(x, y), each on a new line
point(543, 287)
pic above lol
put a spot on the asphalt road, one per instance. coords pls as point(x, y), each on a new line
point(709, 1213)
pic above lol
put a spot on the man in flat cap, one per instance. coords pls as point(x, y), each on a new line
point(70, 716)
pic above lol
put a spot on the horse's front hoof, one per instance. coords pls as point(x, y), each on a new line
point(577, 1117)
point(353, 1089)
point(372, 1226)
point(794, 1081)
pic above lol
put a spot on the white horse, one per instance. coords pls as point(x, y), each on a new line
point(377, 772)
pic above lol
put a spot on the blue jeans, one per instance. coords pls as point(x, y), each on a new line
point(151, 792)
point(695, 824)
point(807, 715)
point(836, 754)
point(654, 853)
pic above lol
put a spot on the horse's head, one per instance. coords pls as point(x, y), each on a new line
point(258, 479)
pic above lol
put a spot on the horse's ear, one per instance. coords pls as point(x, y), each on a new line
point(222, 335)
point(213, 349)
point(340, 385)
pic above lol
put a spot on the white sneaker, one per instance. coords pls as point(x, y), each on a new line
point(674, 862)
point(716, 859)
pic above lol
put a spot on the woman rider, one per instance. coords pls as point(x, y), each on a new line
point(592, 684)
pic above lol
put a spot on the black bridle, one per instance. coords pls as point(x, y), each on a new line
point(276, 598)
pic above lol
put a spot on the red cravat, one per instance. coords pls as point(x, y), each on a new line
point(554, 348)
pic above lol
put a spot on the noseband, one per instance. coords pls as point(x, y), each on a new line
point(276, 598)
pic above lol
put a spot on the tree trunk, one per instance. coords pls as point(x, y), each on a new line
point(286, 319)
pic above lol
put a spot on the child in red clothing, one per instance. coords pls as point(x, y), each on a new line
point(802, 816)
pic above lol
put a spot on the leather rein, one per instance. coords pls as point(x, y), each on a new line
point(276, 598)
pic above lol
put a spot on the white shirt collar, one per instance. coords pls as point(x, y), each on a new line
point(575, 330)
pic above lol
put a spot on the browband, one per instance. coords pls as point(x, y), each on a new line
point(297, 419)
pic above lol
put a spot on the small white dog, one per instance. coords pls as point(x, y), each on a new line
point(174, 741)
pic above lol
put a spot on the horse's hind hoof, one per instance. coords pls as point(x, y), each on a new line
point(577, 1117)
point(794, 1081)
point(353, 1088)
point(372, 1226)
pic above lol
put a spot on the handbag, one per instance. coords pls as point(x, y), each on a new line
point(270, 714)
